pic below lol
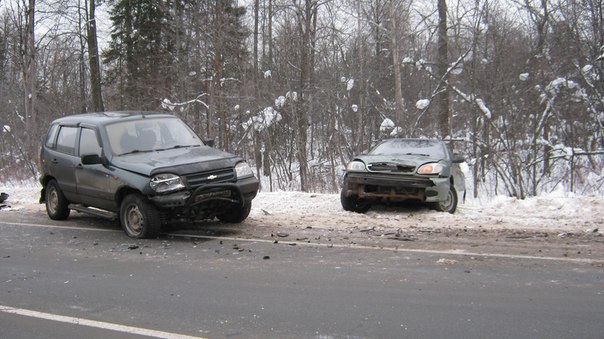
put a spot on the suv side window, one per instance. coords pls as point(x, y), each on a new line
point(66, 139)
point(51, 137)
point(89, 144)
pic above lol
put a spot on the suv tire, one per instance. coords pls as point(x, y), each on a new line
point(138, 217)
point(236, 214)
point(57, 205)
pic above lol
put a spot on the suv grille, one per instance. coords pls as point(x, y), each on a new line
point(209, 177)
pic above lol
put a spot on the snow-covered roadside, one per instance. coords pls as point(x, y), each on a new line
point(558, 211)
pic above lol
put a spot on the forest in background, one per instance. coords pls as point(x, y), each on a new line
point(298, 87)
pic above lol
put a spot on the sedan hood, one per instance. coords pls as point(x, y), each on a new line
point(400, 159)
point(178, 161)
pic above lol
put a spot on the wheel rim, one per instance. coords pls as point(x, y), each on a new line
point(53, 200)
point(446, 205)
point(134, 219)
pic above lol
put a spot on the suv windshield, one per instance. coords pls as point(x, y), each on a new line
point(151, 134)
point(411, 147)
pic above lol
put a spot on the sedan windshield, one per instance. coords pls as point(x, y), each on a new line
point(428, 148)
point(151, 134)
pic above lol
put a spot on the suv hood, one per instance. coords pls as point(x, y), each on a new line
point(178, 161)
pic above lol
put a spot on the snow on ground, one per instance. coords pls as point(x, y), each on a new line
point(558, 211)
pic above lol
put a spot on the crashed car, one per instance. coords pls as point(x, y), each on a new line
point(398, 170)
point(143, 168)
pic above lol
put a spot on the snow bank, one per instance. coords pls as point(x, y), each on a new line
point(557, 211)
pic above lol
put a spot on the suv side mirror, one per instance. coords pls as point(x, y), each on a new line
point(91, 159)
point(458, 158)
point(209, 142)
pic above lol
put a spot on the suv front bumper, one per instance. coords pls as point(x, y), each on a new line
point(239, 193)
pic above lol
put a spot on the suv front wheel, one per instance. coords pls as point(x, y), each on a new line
point(236, 214)
point(139, 218)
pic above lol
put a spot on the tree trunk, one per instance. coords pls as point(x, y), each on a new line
point(93, 60)
point(398, 95)
point(29, 79)
point(443, 102)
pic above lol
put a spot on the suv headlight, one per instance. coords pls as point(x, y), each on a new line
point(356, 166)
point(432, 168)
point(166, 182)
point(243, 170)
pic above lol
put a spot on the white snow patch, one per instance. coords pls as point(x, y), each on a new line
point(483, 107)
point(349, 84)
point(263, 120)
point(523, 76)
point(280, 102)
point(386, 125)
point(396, 131)
point(422, 104)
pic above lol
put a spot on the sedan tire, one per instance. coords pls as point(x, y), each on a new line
point(138, 217)
point(353, 204)
point(449, 205)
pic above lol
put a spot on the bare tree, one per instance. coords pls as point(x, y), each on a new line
point(93, 58)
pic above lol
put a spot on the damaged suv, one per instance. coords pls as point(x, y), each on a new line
point(143, 168)
point(399, 169)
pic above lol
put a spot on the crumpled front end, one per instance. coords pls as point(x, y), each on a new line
point(384, 187)
point(208, 200)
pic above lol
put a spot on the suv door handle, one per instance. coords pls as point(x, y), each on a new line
point(54, 161)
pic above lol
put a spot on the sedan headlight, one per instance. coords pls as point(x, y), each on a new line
point(166, 182)
point(432, 168)
point(356, 166)
point(243, 170)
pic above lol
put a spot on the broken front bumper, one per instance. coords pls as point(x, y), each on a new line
point(383, 187)
point(238, 193)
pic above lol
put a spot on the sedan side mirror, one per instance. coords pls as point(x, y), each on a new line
point(458, 158)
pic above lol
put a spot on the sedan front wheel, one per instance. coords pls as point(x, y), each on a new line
point(450, 204)
point(353, 203)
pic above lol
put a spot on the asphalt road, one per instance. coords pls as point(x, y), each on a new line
point(84, 278)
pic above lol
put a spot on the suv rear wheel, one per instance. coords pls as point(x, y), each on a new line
point(57, 205)
point(139, 218)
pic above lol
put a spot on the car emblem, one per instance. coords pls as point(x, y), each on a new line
point(212, 177)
